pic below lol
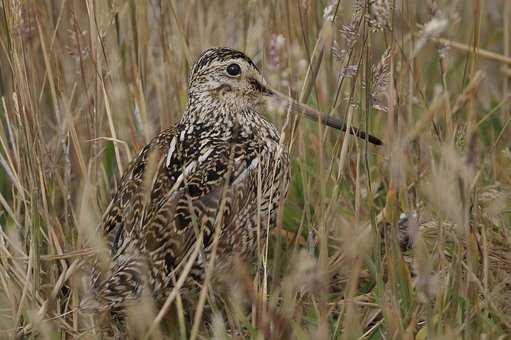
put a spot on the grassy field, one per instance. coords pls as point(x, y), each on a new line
point(411, 240)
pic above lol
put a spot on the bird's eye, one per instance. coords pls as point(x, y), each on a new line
point(233, 70)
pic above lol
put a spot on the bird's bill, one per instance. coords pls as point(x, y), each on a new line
point(286, 103)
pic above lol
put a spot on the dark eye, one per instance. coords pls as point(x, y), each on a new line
point(233, 70)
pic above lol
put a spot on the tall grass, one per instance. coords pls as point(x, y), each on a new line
point(409, 240)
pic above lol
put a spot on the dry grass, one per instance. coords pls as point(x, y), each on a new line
point(84, 84)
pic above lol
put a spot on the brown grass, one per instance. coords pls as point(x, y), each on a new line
point(84, 84)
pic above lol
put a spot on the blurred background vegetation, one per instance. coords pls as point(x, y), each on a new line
point(406, 241)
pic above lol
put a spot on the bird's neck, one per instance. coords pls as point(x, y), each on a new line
point(215, 113)
point(220, 118)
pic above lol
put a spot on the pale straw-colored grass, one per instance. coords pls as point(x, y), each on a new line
point(84, 84)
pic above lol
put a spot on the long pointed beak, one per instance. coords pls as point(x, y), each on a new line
point(284, 102)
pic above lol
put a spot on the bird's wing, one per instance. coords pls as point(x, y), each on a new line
point(174, 221)
point(120, 222)
point(160, 213)
point(126, 207)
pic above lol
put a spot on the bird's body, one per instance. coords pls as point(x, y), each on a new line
point(171, 192)
point(221, 171)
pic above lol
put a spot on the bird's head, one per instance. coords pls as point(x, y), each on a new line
point(229, 76)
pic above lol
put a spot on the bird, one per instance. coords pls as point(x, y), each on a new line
point(221, 171)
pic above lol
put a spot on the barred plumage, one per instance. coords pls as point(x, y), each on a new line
point(222, 148)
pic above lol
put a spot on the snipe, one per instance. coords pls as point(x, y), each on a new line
point(221, 168)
